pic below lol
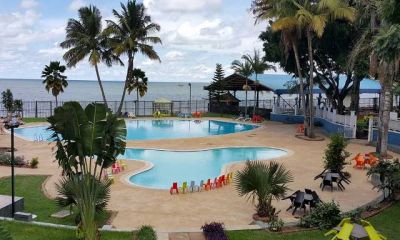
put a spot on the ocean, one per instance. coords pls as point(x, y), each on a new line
point(77, 90)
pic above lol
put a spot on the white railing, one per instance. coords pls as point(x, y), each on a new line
point(348, 122)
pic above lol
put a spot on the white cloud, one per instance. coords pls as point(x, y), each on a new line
point(174, 55)
point(29, 3)
point(181, 5)
point(76, 4)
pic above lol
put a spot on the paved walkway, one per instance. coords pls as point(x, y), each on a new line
point(137, 206)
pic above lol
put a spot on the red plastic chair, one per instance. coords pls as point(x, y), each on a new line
point(174, 188)
point(207, 186)
point(360, 162)
point(115, 168)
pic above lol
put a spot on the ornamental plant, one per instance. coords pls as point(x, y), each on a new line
point(336, 154)
point(88, 141)
point(214, 231)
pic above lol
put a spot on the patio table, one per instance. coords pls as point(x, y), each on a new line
point(358, 231)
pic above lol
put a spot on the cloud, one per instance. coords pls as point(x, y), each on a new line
point(76, 4)
point(174, 55)
point(181, 5)
point(29, 3)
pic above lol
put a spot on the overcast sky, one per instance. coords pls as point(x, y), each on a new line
point(196, 34)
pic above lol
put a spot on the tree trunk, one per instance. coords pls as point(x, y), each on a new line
point(245, 106)
point(355, 94)
point(255, 96)
point(127, 79)
point(311, 87)
point(56, 101)
point(302, 95)
point(386, 71)
point(101, 85)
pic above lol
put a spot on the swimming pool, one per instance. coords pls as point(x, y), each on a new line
point(155, 129)
point(180, 166)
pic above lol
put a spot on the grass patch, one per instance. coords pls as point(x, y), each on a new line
point(34, 120)
point(24, 231)
point(30, 187)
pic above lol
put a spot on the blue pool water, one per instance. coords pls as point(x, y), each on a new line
point(180, 166)
point(156, 129)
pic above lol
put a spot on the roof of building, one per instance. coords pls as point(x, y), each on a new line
point(277, 83)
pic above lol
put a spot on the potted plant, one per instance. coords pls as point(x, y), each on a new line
point(336, 154)
point(261, 182)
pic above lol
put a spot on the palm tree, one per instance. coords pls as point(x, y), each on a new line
point(259, 66)
point(84, 38)
point(54, 80)
point(262, 182)
point(131, 34)
point(313, 18)
point(139, 82)
point(385, 62)
point(284, 12)
point(244, 69)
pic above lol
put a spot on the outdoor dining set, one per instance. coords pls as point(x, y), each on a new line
point(329, 178)
point(300, 199)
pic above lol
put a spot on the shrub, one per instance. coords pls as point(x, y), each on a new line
point(276, 225)
point(336, 154)
point(146, 233)
point(214, 231)
point(389, 176)
point(324, 216)
point(34, 162)
point(5, 160)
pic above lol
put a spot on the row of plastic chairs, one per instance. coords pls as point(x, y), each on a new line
point(203, 186)
point(361, 160)
point(116, 168)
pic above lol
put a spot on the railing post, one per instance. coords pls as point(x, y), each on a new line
point(51, 108)
point(36, 112)
point(370, 129)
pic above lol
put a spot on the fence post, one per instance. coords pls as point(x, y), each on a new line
point(353, 123)
point(36, 112)
point(370, 129)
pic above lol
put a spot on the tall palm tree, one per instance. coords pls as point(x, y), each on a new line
point(259, 66)
point(283, 11)
point(379, 41)
point(131, 33)
point(139, 82)
point(84, 38)
point(261, 182)
point(245, 69)
point(313, 17)
point(53, 78)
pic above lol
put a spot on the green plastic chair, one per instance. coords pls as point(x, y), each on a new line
point(345, 232)
point(371, 231)
point(334, 231)
point(184, 187)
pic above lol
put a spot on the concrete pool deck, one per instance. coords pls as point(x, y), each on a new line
point(137, 206)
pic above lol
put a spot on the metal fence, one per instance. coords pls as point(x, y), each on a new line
point(41, 109)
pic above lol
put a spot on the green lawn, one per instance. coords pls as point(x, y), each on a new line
point(22, 231)
point(35, 202)
point(34, 120)
point(30, 187)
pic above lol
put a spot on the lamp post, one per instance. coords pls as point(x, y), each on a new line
point(12, 124)
point(190, 98)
